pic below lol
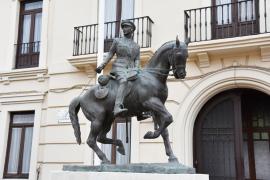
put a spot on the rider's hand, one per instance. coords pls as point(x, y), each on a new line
point(99, 68)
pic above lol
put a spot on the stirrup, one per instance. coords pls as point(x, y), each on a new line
point(119, 110)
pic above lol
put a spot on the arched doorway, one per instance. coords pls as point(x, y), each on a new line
point(232, 136)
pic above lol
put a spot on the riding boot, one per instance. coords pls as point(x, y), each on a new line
point(119, 109)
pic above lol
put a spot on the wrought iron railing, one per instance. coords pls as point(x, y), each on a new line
point(86, 37)
point(27, 54)
point(242, 18)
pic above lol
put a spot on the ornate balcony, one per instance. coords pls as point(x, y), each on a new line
point(27, 54)
point(85, 37)
point(85, 43)
point(241, 18)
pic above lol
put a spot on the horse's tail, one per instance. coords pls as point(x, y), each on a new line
point(74, 108)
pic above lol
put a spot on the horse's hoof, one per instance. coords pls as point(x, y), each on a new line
point(105, 162)
point(121, 150)
point(149, 135)
point(173, 160)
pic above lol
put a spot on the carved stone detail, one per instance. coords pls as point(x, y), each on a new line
point(40, 78)
point(265, 53)
point(203, 60)
point(6, 80)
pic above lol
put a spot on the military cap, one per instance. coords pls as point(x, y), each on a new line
point(128, 23)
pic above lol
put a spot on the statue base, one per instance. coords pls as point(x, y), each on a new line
point(141, 171)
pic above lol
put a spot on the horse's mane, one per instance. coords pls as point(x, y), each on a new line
point(167, 45)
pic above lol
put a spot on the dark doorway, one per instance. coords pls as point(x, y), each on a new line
point(231, 136)
point(233, 18)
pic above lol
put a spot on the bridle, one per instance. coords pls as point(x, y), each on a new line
point(171, 57)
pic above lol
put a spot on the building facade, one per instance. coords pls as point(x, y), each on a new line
point(48, 54)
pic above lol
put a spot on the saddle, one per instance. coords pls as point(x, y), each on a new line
point(102, 90)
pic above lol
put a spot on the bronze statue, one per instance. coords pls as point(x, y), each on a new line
point(146, 93)
point(128, 58)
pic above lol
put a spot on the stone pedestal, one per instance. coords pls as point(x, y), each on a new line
point(143, 171)
point(67, 175)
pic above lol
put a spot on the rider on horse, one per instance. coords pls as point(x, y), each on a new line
point(127, 61)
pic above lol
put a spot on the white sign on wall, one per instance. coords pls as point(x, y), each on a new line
point(63, 116)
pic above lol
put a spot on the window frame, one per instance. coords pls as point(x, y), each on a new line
point(23, 126)
point(22, 13)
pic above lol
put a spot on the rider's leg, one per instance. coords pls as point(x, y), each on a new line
point(119, 107)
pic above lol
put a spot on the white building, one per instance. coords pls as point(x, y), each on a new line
point(48, 53)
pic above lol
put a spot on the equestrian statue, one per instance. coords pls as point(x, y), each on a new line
point(130, 91)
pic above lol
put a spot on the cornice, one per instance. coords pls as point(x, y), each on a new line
point(21, 97)
point(201, 52)
point(230, 44)
point(23, 74)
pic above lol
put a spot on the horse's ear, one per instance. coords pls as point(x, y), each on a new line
point(177, 41)
point(187, 41)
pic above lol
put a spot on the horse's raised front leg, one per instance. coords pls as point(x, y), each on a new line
point(102, 138)
point(96, 127)
point(166, 140)
point(158, 108)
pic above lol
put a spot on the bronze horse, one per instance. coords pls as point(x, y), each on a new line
point(147, 93)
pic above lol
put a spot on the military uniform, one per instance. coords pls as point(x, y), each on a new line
point(128, 54)
point(128, 59)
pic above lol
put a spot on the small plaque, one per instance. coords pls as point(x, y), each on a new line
point(63, 116)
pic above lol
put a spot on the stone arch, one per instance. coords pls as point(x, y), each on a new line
point(202, 92)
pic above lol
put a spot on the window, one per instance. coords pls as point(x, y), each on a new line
point(235, 18)
point(115, 11)
point(28, 46)
point(18, 153)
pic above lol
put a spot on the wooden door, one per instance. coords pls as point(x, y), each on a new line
point(216, 141)
point(232, 136)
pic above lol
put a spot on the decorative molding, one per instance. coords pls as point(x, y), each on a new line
point(203, 60)
point(83, 61)
point(265, 53)
point(90, 70)
point(23, 74)
point(5, 80)
point(205, 89)
point(40, 77)
point(235, 63)
point(21, 97)
point(222, 63)
point(146, 54)
point(229, 45)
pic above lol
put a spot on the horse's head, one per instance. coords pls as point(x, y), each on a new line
point(178, 58)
